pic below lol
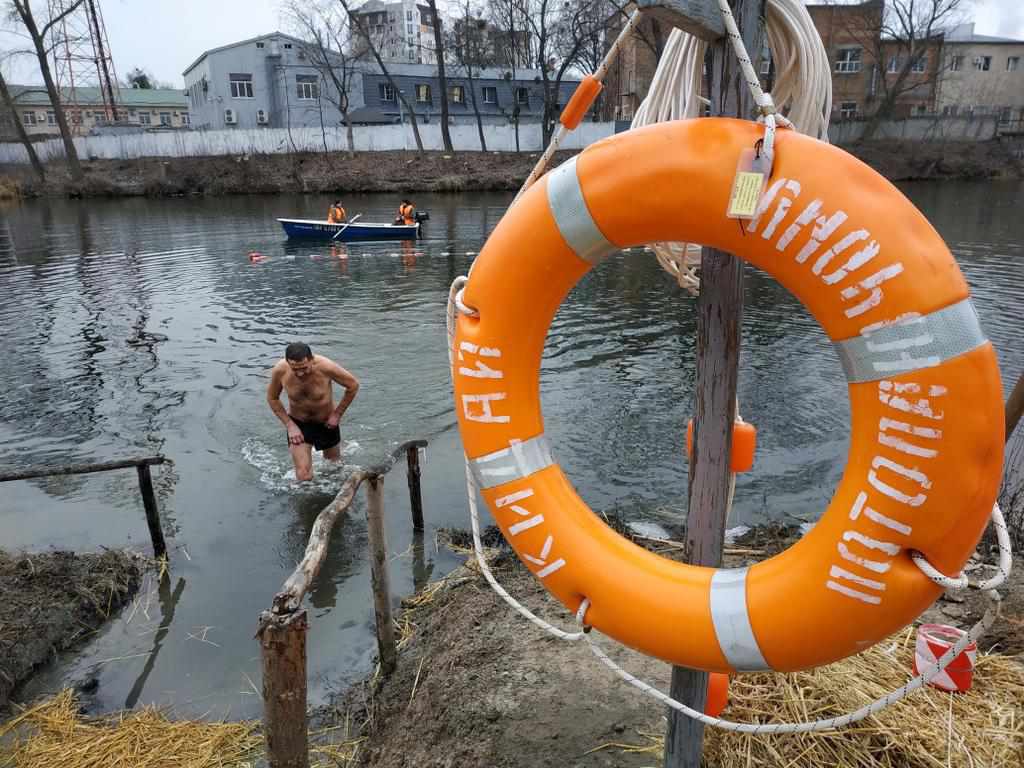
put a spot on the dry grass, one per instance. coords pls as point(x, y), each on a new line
point(983, 728)
point(53, 734)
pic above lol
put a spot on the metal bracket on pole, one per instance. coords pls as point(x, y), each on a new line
point(701, 18)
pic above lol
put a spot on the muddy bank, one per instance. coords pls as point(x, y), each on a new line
point(400, 172)
point(50, 602)
point(478, 685)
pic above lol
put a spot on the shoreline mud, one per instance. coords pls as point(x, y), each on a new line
point(410, 172)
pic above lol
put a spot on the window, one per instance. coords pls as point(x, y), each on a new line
point(408, 15)
point(766, 65)
point(307, 87)
point(51, 118)
point(983, 63)
point(391, 17)
point(241, 86)
point(490, 94)
point(522, 96)
point(287, 45)
point(144, 118)
point(28, 118)
point(76, 118)
point(165, 118)
point(186, 118)
point(458, 94)
point(1005, 114)
point(894, 64)
point(387, 92)
point(956, 63)
point(849, 60)
point(408, 29)
point(921, 109)
point(920, 64)
point(848, 110)
point(260, 45)
point(1012, 64)
point(423, 93)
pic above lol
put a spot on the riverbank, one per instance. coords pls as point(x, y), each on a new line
point(54, 601)
point(408, 172)
point(479, 685)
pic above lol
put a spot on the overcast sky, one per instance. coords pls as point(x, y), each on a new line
point(165, 36)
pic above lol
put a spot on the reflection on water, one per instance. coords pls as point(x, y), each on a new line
point(139, 326)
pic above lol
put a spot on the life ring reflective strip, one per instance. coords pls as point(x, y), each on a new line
point(925, 396)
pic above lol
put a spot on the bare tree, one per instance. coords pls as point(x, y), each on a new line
point(21, 10)
point(513, 46)
point(10, 105)
point(903, 40)
point(373, 48)
point(470, 50)
point(329, 47)
point(439, 51)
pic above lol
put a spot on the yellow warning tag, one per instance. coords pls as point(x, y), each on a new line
point(746, 191)
point(752, 170)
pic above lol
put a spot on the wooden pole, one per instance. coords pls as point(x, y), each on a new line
point(379, 573)
point(719, 309)
point(283, 648)
point(1014, 407)
point(156, 533)
point(415, 497)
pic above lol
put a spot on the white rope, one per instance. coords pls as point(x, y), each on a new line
point(824, 724)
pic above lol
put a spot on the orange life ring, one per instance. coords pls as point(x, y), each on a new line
point(925, 395)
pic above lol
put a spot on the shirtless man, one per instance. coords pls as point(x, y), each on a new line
point(312, 418)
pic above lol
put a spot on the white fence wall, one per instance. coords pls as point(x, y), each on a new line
point(278, 140)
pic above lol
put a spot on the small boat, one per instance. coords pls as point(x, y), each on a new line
point(357, 230)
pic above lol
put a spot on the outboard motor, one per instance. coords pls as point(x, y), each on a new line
point(421, 216)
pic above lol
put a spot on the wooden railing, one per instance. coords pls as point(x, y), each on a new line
point(141, 465)
point(282, 628)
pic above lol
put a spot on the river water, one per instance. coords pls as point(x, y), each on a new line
point(139, 326)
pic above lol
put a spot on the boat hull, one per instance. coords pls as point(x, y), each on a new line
point(306, 229)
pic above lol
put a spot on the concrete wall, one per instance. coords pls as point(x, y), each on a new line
point(274, 140)
point(983, 90)
point(920, 129)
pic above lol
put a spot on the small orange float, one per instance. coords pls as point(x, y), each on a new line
point(926, 446)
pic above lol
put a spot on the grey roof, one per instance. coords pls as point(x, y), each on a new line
point(36, 95)
point(964, 33)
point(369, 116)
point(256, 39)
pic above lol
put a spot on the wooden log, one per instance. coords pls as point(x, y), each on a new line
point(80, 469)
point(719, 310)
point(413, 477)
point(156, 532)
point(379, 573)
point(283, 650)
point(1014, 407)
point(701, 18)
point(295, 587)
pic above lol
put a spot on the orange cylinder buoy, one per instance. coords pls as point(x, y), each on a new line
point(255, 256)
point(926, 445)
point(744, 442)
point(718, 694)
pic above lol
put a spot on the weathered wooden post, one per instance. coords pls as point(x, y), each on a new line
point(283, 648)
point(413, 475)
point(379, 573)
point(719, 309)
point(156, 533)
point(1014, 407)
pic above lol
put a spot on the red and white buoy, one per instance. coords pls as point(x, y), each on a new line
point(933, 640)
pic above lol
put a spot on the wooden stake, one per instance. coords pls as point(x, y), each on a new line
point(156, 533)
point(283, 648)
point(719, 309)
point(415, 497)
point(379, 573)
point(1014, 407)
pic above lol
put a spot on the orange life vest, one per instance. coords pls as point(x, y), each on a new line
point(335, 215)
point(405, 213)
point(926, 448)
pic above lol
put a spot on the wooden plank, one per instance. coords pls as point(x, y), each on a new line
point(80, 469)
point(719, 311)
point(283, 650)
point(379, 574)
point(156, 532)
point(700, 18)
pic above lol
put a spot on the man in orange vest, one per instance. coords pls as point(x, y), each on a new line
point(336, 214)
point(406, 213)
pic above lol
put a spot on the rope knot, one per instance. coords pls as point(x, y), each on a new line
point(766, 105)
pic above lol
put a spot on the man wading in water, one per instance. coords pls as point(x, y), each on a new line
point(311, 418)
